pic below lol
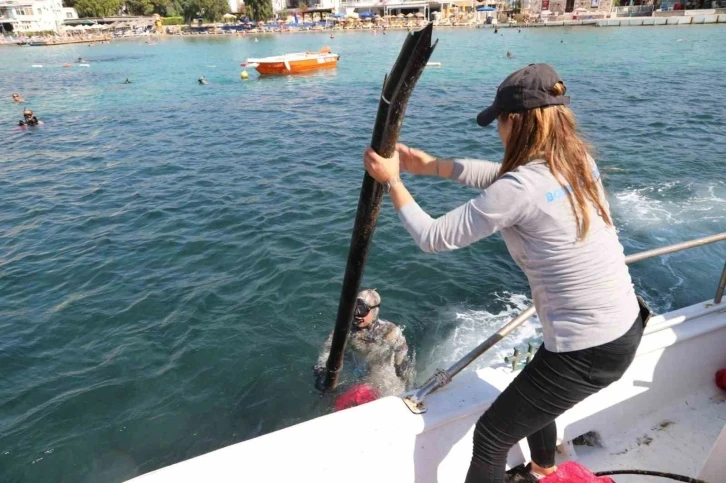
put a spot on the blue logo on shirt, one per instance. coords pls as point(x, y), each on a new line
point(562, 192)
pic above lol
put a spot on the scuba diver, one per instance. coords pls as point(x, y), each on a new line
point(202, 81)
point(29, 119)
point(381, 344)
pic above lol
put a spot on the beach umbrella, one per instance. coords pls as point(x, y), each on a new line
point(367, 15)
point(409, 15)
point(419, 15)
point(353, 15)
point(485, 9)
point(400, 15)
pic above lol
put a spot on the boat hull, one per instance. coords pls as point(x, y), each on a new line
point(296, 66)
point(676, 360)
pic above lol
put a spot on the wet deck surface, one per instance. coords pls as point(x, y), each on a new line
point(676, 439)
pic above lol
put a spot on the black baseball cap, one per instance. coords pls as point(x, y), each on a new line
point(524, 89)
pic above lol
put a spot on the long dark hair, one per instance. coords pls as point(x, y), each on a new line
point(552, 132)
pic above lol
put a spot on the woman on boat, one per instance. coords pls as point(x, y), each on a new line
point(547, 200)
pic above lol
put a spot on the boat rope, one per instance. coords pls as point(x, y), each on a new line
point(672, 476)
point(385, 100)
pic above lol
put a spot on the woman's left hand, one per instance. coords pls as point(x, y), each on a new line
point(381, 169)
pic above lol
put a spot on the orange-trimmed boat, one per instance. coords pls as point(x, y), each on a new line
point(294, 63)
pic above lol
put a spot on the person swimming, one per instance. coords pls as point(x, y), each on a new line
point(81, 60)
point(202, 81)
point(509, 55)
point(127, 81)
point(29, 119)
point(379, 347)
point(17, 98)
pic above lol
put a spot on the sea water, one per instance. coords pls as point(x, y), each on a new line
point(171, 254)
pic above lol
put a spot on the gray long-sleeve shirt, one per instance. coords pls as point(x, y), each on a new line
point(581, 289)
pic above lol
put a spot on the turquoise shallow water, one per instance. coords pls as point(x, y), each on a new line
point(171, 254)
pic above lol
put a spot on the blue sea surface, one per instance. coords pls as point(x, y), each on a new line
point(171, 254)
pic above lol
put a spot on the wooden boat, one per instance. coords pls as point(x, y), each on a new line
point(665, 414)
point(294, 63)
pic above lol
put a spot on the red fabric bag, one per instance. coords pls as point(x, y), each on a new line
point(571, 472)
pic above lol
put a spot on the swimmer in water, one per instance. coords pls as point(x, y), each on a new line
point(80, 60)
point(332, 36)
point(29, 119)
point(17, 98)
point(380, 344)
point(509, 55)
point(496, 30)
point(127, 81)
point(202, 81)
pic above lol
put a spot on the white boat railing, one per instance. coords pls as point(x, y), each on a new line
point(440, 378)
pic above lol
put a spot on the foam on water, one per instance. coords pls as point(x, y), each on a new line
point(671, 204)
point(472, 326)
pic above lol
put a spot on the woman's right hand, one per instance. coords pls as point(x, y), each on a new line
point(416, 161)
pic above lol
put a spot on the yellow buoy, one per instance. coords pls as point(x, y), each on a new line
point(244, 75)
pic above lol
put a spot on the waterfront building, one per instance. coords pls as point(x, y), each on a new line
point(235, 6)
point(27, 16)
point(313, 7)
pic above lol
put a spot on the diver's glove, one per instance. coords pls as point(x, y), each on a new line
point(319, 372)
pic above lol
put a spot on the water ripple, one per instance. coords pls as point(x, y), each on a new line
point(171, 254)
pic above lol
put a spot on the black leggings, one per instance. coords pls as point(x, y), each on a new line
point(547, 387)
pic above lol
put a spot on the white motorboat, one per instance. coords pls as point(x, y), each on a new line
point(666, 414)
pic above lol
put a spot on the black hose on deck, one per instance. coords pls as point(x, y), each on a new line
point(672, 476)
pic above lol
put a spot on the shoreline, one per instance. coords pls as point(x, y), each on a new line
point(702, 19)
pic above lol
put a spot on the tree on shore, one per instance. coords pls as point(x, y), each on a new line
point(165, 8)
point(211, 10)
point(96, 8)
point(259, 9)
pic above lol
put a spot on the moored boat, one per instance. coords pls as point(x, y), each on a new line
point(294, 63)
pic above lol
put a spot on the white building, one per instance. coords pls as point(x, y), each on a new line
point(235, 5)
point(313, 5)
point(33, 15)
point(279, 5)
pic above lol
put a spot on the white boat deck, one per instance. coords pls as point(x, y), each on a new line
point(665, 414)
point(674, 439)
